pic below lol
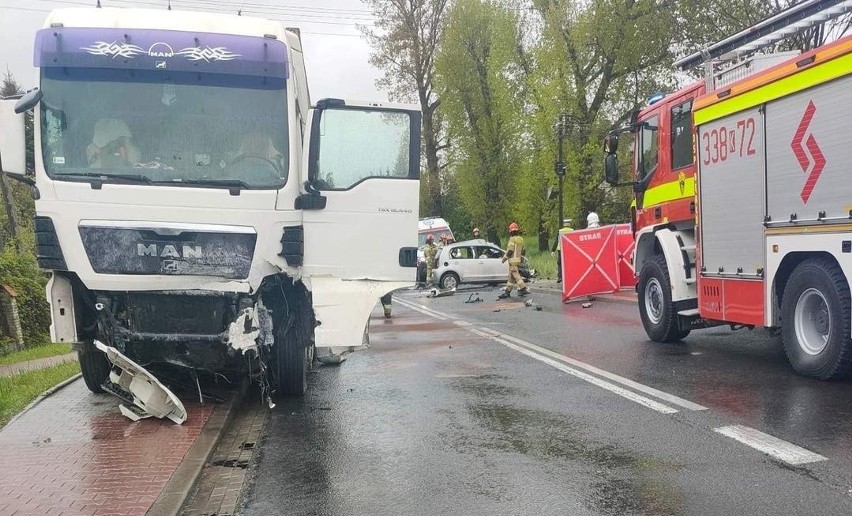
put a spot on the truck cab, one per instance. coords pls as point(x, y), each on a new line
point(195, 209)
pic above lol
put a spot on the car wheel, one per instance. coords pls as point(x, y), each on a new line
point(450, 280)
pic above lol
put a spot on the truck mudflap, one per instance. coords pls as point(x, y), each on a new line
point(136, 386)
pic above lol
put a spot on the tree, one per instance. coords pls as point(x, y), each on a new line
point(478, 76)
point(600, 51)
point(9, 88)
point(405, 41)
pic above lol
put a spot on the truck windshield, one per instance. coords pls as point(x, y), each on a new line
point(180, 127)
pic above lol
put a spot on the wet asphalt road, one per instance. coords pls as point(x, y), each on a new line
point(434, 419)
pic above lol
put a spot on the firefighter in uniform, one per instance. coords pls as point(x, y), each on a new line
point(430, 253)
point(557, 247)
point(514, 251)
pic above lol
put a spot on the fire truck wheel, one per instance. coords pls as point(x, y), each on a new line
point(815, 320)
point(295, 355)
point(656, 308)
point(94, 366)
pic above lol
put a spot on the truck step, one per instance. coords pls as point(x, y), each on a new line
point(692, 312)
point(690, 281)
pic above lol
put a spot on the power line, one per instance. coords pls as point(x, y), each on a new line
point(273, 15)
point(350, 35)
point(316, 12)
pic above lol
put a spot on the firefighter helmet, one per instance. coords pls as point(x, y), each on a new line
point(513, 227)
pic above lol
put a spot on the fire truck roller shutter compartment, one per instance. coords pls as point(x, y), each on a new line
point(809, 166)
point(731, 175)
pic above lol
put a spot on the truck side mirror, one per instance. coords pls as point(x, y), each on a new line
point(28, 101)
point(611, 169)
point(12, 139)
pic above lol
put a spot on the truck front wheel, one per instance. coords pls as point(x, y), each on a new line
point(94, 366)
point(659, 316)
point(815, 320)
point(294, 354)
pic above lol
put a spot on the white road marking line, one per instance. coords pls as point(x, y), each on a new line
point(624, 393)
point(671, 398)
point(780, 449)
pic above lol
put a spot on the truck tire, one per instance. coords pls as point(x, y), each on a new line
point(656, 308)
point(815, 323)
point(95, 367)
point(294, 355)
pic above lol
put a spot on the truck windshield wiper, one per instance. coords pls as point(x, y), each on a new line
point(135, 178)
point(96, 179)
point(234, 185)
point(217, 182)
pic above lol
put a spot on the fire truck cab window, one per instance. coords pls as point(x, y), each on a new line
point(650, 145)
point(682, 135)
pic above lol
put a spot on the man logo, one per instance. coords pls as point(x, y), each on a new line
point(160, 64)
point(169, 251)
point(161, 50)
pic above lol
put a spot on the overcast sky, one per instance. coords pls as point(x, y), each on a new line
point(336, 54)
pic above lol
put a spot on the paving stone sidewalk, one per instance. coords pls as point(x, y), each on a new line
point(74, 453)
point(32, 365)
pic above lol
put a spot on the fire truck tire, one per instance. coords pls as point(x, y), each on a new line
point(656, 308)
point(294, 355)
point(95, 367)
point(815, 320)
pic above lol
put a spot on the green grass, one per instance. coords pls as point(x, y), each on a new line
point(16, 392)
point(39, 351)
point(543, 263)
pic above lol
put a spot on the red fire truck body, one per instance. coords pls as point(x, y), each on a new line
point(743, 207)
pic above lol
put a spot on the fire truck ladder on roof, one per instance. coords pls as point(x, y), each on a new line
point(784, 24)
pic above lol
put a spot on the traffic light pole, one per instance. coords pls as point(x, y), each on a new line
point(559, 167)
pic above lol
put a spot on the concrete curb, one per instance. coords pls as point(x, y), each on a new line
point(41, 397)
point(183, 480)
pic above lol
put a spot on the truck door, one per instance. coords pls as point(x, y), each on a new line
point(359, 207)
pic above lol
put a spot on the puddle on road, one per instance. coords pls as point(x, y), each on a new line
point(623, 482)
point(486, 386)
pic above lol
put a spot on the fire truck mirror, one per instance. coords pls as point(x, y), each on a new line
point(611, 169)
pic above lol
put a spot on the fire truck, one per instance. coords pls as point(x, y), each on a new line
point(196, 211)
point(743, 204)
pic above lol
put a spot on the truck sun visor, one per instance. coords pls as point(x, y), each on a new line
point(160, 50)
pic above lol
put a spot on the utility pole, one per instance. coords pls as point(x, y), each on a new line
point(559, 166)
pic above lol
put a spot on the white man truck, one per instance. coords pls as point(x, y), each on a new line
point(743, 199)
point(195, 210)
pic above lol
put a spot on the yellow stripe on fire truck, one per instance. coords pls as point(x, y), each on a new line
point(671, 191)
point(807, 78)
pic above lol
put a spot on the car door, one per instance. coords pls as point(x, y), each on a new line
point(460, 261)
point(489, 259)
